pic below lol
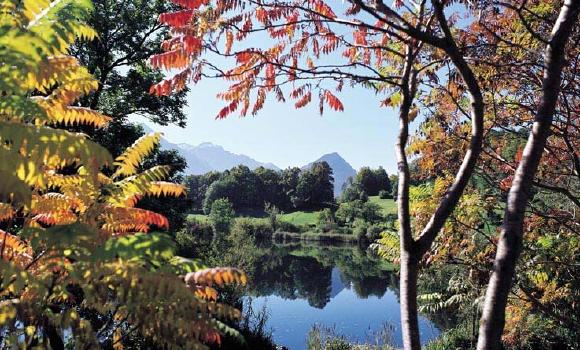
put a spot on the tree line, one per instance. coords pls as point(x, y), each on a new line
point(289, 189)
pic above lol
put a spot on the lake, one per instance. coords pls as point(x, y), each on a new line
point(341, 287)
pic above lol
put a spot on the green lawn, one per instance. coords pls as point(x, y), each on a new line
point(307, 218)
point(299, 218)
point(197, 217)
point(389, 206)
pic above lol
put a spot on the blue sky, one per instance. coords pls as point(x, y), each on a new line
point(364, 134)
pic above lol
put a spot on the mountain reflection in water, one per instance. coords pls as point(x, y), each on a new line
point(343, 287)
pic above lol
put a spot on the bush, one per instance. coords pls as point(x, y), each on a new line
point(455, 338)
point(221, 215)
point(374, 232)
point(254, 227)
point(185, 243)
point(285, 226)
point(385, 194)
point(198, 228)
point(325, 220)
point(359, 229)
point(354, 192)
point(347, 213)
point(273, 215)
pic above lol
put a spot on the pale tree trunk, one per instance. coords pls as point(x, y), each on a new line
point(510, 242)
point(409, 266)
point(412, 250)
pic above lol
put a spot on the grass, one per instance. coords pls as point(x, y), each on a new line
point(300, 218)
point(197, 217)
point(389, 206)
point(307, 218)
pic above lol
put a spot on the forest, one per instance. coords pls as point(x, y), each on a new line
point(471, 244)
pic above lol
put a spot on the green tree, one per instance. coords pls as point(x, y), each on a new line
point(197, 186)
point(315, 187)
point(289, 181)
point(354, 191)
point(128, 35)
point(382, 180)
point(221, 215)
point(223, 188)
point(366, 177)
point(269, 187)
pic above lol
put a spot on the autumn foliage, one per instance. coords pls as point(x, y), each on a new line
point(79, 262)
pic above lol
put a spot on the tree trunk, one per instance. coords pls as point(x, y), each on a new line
point(409, 261)
point(510, 243)
point(408, 294)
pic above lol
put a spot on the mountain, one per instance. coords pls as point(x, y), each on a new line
point(207, 157)
point(341, 170)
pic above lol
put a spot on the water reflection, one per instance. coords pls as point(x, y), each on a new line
point(340, 286)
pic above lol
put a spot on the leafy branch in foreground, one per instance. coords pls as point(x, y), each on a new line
point(76, 264)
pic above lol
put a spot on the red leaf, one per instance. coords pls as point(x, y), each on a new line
point(191, 4)
point(176, 19)
point(304, 100)
point(333, 101)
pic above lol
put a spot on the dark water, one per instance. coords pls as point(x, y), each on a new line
point(344, 288)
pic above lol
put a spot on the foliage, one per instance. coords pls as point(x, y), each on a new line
point(348, 212)
point(385, 194)
point(273, 215)
point(373, 181)
point(254, 227)
point(327, 338)
point(354, 191)
point(128, 34)
point(315, 187)
point(77, 263)
point(326, 220)
point(290, 189)
point(454, 339)
point(221, 215)
point(479, 71)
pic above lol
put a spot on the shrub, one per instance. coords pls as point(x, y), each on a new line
point(254, 227)
point(374, 232)
point(347, 213)
point(273, 215)
point(221, 215)
point(325, 220)
point(385, 194)
point(360, 228)
point(285, 226)
point(354, 192)
point(198, 228)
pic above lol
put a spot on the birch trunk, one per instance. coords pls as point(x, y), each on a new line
point(510, 242)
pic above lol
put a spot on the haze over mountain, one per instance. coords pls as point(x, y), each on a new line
point(207, 157)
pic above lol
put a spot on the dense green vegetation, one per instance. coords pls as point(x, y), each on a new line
point(250, 191)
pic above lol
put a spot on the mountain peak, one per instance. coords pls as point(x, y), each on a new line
point(333, 155)
point(207, 145)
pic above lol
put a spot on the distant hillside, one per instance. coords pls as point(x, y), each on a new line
point(206, 157)
point(341, 169)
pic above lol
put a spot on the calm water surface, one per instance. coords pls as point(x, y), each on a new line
point(344, 288)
